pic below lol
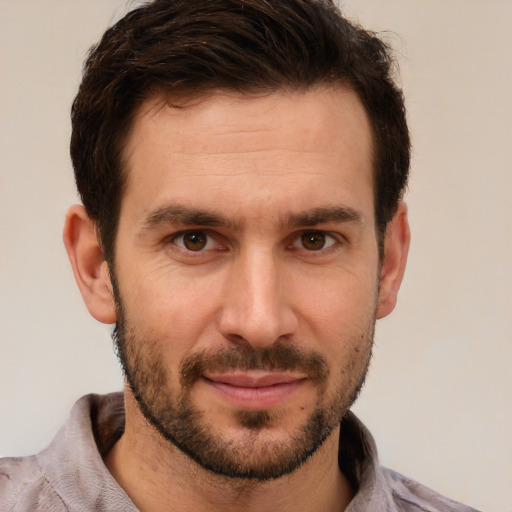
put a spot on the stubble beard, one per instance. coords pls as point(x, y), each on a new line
point(257, 455)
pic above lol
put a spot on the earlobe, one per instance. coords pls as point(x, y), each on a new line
point(89, 266)
point(396, 249)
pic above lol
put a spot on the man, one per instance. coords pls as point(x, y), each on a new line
point(241, 166)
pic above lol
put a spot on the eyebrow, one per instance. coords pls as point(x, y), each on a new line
point(188, 216)
point(338, 214)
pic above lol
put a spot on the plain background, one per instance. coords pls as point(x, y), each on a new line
point(439, 395)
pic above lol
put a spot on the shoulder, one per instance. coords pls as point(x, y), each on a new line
point(411, 496)
point(16, 474)
point(24, 487)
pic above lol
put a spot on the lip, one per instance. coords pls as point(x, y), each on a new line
point(255, 390)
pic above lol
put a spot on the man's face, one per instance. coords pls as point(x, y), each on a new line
point(246, 273)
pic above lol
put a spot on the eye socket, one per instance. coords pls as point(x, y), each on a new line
point(198, 241)
point(315, 241)
point(194, 241)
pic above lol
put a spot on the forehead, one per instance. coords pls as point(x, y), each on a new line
point(282, 149)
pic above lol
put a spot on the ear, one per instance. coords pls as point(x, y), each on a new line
point(396, 248)
point(89, 265)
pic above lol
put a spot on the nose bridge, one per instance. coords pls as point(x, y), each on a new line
point(256, 308)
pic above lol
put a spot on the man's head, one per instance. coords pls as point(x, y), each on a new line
point(243, 164)
point(184, 49)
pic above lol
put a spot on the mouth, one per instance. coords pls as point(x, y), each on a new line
point(256, 389)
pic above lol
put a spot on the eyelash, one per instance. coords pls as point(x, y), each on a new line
point(312, 233)
point(211, 240)
point(335, 241)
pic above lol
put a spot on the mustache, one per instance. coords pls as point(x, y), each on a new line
point(279, 356)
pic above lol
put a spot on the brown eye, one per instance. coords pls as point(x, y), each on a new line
point(313, 240)
point(195, 240)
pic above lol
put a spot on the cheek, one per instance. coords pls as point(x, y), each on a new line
point(339, 305)
point(171, 309)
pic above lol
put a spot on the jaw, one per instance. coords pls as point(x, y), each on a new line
point(143, 464)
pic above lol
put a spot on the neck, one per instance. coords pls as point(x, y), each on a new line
point(158, 476)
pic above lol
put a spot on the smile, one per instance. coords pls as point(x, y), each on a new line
point(255, 390)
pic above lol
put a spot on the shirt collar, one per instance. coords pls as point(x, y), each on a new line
point(74, 467)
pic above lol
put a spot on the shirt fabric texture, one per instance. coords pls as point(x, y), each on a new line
point(69, 475)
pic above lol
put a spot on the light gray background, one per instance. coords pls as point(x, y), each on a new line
point(439, 395)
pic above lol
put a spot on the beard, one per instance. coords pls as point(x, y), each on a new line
point(257, 454)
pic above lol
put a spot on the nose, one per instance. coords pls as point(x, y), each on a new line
point(257, 308)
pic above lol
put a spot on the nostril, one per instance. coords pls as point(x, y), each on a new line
point(237, 339)
point(258, 331)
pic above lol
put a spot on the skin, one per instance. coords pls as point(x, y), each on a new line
point(264, 167)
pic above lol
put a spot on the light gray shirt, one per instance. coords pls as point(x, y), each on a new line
point(69, 475)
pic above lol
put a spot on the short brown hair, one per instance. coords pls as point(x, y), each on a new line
point(187, 47)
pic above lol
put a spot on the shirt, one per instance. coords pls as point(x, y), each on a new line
point(69, 475)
